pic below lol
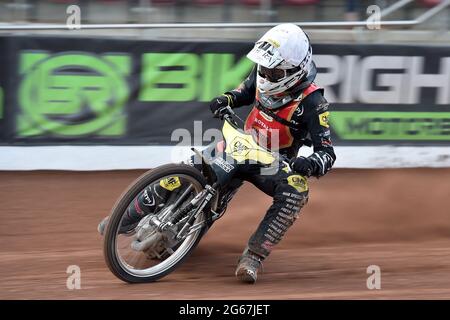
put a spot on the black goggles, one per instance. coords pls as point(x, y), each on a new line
point(275, 74)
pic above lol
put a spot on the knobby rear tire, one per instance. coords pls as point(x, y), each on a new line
point(109, 244)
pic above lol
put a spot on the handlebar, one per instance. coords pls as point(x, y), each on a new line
point(230, 116)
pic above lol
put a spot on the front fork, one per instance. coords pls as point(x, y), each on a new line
point(167, 220)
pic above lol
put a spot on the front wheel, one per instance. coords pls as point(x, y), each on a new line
point(122, 257)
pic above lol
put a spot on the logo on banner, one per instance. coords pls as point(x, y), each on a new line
point(73, 94)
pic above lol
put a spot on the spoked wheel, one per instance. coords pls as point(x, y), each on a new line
point(145, 254)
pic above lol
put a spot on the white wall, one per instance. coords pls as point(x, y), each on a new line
point(142, 157)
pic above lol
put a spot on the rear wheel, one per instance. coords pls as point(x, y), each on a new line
point(121, 254)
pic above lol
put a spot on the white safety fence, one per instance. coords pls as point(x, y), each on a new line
point(91, 158)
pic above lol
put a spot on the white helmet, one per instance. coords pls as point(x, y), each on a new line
point(284, 57)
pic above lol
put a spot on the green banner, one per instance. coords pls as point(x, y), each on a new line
point(417, 126)
point(132, 92)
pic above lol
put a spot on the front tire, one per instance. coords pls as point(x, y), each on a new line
point(110, 247)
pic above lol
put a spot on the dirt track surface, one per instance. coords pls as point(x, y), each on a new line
point(396, 219)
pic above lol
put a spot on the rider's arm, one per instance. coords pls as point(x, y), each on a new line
point(316, 120)
point(244, 94)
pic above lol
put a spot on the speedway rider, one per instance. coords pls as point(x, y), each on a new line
point(287, 104)
point(286, 101)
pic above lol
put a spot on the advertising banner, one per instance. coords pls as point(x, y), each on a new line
point(91, 91)
point(59, 91)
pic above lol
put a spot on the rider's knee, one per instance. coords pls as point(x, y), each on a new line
point(294, 190)
point(298, 185)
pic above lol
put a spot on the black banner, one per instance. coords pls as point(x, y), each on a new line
point(57, 90)
point(233, 309)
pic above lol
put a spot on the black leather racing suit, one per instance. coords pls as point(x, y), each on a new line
point(307, 124)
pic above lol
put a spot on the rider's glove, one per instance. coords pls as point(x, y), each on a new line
point(302, 165)
point(219, 104)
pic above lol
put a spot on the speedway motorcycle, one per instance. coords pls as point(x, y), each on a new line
point(163, 239)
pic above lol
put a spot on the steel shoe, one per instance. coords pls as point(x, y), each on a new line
point(248, 267)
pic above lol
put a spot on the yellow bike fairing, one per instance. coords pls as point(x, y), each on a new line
point(241, 146)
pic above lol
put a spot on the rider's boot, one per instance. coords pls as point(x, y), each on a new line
point(248, 266)
point(288, 201)
point(145, 203)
